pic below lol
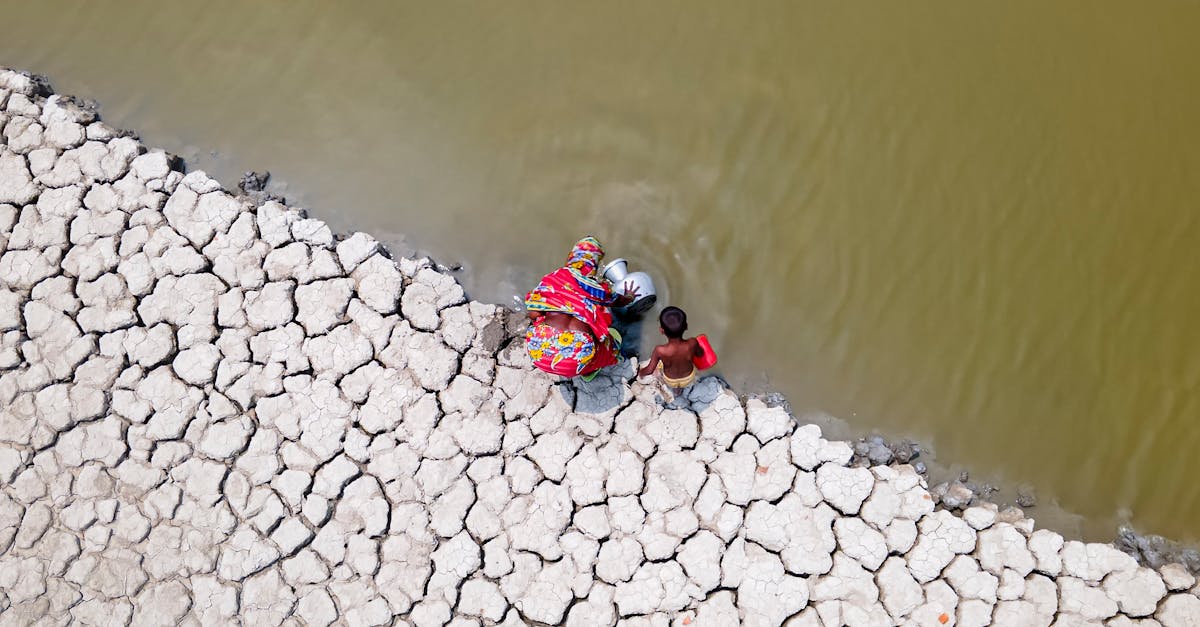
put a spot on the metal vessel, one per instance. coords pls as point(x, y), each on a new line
point(618, 274)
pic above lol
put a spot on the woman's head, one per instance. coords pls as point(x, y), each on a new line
point(673, 322)
point(586, 255)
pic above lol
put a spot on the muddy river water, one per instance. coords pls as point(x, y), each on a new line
point(975, 224)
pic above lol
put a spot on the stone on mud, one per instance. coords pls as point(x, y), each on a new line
point(378, 283)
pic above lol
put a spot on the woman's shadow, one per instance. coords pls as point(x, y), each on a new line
point(631, 329)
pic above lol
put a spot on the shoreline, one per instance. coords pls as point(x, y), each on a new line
point(274, 411)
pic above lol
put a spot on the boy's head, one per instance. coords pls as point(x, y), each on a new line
point(673, 322)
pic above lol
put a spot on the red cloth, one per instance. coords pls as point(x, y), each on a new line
point(573, 290)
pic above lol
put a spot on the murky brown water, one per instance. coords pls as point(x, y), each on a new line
point(973, 223)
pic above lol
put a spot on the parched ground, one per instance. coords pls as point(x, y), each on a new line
point(215, 411)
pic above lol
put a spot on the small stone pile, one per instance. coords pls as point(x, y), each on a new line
point(214, 410)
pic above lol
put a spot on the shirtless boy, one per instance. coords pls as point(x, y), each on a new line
point(672, 362)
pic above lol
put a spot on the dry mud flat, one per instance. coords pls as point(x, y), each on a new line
point(213, 410)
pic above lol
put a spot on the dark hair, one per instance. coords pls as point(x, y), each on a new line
point(673, 322)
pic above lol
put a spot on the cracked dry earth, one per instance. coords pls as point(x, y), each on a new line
point(215, 411)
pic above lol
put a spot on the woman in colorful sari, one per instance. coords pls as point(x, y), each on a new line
point(571, 331)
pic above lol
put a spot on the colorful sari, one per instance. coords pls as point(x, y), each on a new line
point(574, 290)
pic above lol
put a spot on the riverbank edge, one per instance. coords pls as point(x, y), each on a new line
point(106, 312)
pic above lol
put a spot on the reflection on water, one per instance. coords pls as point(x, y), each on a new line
point(974, 224)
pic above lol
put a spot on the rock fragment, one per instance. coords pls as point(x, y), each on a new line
point(378, 283)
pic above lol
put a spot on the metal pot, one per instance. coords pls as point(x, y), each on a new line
point(615, 271)
point(618, 274)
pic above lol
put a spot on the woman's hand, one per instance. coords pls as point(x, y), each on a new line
point(630, 295)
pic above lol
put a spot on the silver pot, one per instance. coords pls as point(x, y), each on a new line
point(618, 274)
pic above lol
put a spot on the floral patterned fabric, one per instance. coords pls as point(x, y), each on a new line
point(575, 290)
point(585, 256)
point(566, 353)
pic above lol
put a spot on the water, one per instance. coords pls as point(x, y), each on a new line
point(975, 224)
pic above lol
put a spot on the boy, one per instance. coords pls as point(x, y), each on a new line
point(673, 360)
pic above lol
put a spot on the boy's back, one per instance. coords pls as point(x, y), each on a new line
point(674, 359)
point(676, 356)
